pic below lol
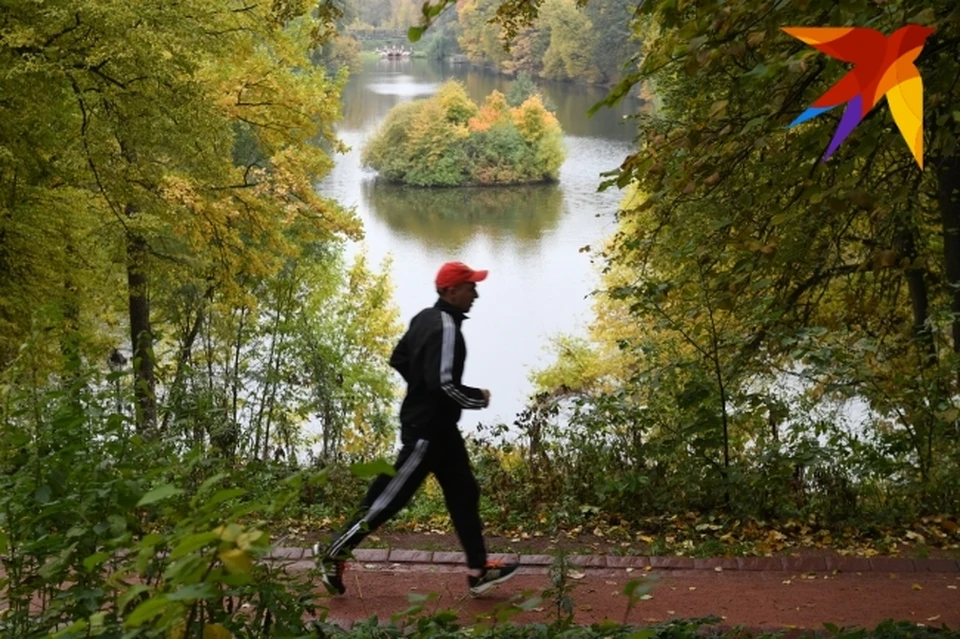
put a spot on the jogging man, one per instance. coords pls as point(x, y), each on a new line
point(430, 357)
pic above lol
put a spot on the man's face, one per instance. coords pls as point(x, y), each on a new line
point(462, 295)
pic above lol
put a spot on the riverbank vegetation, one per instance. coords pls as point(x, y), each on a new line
point(449, 140)
point(592, 44)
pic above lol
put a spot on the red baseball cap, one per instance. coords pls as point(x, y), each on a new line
point(453, 273)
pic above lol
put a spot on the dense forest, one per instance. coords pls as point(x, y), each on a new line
point(188, 359)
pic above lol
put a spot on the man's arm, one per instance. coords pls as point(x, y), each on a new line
point(400, 358)
point(439, 353)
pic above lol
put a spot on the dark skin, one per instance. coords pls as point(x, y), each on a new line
point(461, 297)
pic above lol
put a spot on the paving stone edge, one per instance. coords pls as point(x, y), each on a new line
point(717, 564)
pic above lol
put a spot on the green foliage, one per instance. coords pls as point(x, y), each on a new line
point(440, 624)
point(522, 88)
point(561, 588)
point(442, 41)
point(113, 534)
point(448, 140)
point(557, 39)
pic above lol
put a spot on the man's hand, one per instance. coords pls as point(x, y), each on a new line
point(486, 395)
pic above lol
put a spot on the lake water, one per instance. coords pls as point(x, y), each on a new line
point(528, 237)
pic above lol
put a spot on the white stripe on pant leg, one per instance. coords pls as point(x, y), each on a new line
point(390, 492)
point(338, 545)
point(408, 466)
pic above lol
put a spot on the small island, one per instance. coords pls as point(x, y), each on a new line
point(448, 140)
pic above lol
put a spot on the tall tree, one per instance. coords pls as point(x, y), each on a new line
point(144, 108)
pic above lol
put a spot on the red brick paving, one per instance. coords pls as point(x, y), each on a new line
point(762, 600)
point(756, 592)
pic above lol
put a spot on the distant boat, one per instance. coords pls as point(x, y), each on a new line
point(394, 52)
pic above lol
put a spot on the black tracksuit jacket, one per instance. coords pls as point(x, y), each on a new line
point(430, 357)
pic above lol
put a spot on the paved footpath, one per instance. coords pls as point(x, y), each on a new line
point(759, 593)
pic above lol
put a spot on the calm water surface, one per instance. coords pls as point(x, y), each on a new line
point(528, 237)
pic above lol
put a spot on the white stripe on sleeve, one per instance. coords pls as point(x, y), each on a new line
point(447, 352)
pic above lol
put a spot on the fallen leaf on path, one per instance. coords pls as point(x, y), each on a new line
point(917, 587)
point(693, 587)
point(574, 574)
point(786, 581)
point(646, 597)
point(629, 569)
point(952, 587)
point(934, 618)
point(718, 569)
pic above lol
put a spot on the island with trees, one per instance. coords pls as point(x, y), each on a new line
point(449, 140)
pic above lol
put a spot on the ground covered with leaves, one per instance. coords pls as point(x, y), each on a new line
point(684, 535)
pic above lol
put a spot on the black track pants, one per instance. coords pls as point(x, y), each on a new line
point(447, 459)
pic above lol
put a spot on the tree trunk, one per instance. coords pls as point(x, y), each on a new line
point(184, 356)
point(141, 336)
point(70, 344)
point(948, 196)
point(906, 244)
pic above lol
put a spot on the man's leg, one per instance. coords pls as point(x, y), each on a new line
point(343, 541)
point(384, 499)
point(462, 495)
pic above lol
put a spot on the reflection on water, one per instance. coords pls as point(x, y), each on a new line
point(452, 217)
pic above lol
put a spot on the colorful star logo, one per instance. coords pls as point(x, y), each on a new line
point(883, 67)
